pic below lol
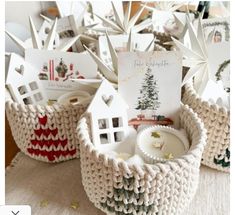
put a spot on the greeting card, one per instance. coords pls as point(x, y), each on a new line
point(150, 83)
point(56, 69)
point(219, 63)
point(216, 30)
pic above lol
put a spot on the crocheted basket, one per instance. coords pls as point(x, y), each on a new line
point(46, 133)
point(217, 122)
point(117, 187)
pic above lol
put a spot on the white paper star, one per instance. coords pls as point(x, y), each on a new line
point(36, 42)
point(122, 23)
point(196, 57)
point(171, 7)
point(167, 5)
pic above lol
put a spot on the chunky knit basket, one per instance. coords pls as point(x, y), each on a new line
point(117, 187)
point(217, 122)
point(46, 133)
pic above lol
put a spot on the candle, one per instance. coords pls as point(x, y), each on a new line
point(74, 98)
point(160, 143)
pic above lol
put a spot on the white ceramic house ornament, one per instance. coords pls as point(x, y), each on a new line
point(108, 116)
point(23, 82)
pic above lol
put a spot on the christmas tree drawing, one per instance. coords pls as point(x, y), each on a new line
point(148, 99)
point(47, 143)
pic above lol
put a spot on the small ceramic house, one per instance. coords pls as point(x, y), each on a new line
point(108, 116)
point(23, 82)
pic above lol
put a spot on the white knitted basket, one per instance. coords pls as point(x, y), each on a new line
point(46, 133)
point(217, 122)
point(117, 187)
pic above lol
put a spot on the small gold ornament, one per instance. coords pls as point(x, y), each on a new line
point(75, 205)
point(169, 156)
point(155, 134)
point(43, 203)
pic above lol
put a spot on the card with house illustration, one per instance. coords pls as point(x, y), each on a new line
point(216, 30)
point(139, 42)
point(56, 68)
point(150, 83)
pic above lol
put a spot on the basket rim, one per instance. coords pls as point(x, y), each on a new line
point(172, 164)
point(189, 87)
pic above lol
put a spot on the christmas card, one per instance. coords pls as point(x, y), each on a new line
point(219, 63)
point(150, 83)
point(56, 69)
point(216, 30)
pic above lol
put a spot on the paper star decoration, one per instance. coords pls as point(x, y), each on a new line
point(122, 23)
point(111, 71)
point(43, 203)
point(171, 7)
point(168, 5)
point(158, 145)
point(196, 57)
point(37, 43)
point(169, 156)
point(75, 205)
point(155, 134)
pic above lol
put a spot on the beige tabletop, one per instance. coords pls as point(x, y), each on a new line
point(56, 189)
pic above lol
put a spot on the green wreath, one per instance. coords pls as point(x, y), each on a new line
point(220, 70)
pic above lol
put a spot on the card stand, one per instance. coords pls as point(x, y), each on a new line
point(117, 187)
point(217, 122)
point(45, 133)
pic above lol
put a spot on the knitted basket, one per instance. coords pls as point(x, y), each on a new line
point(217, 122)
point(46, 133)
point(117, 187)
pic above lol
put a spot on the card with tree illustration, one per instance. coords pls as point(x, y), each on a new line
point(150, 83)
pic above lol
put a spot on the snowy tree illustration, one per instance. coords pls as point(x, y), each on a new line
point(148, 98)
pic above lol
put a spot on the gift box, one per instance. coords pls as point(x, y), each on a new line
point(116, 187)
point(217, 123)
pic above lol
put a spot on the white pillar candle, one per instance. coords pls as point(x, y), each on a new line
point(160, 143)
